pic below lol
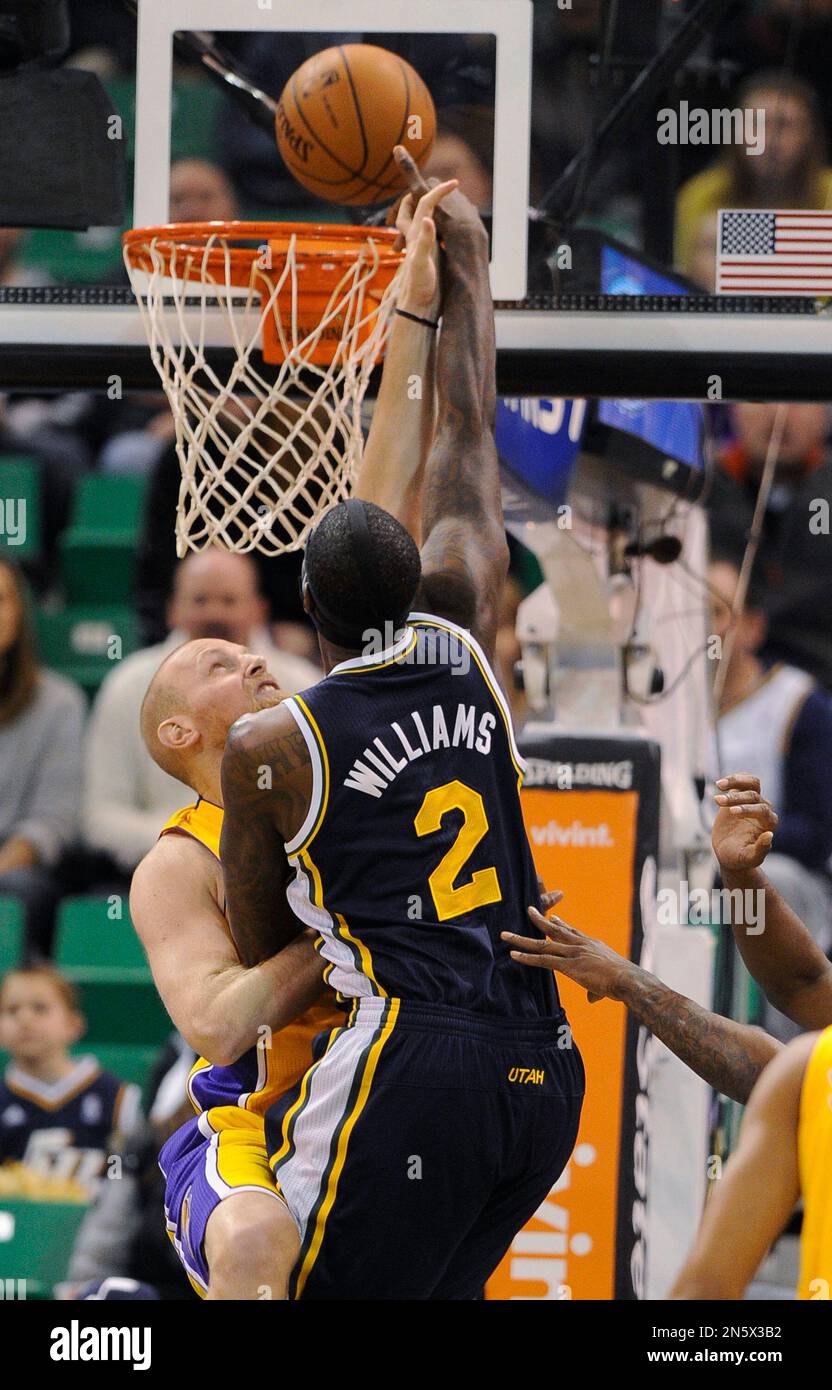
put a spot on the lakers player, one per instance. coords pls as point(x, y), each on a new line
point(440, 1117)
point(785, 1150)
point(241, 1019)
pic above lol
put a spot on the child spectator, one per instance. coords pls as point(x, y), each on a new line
point(60, 1116)
point(41, 729)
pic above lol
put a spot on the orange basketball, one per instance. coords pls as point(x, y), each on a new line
point(340, 116)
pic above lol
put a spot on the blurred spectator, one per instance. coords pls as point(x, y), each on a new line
point(59, 1115)
point(201, 192)
point(101, 24)
point(776, 722)
point(122, 1234)
point(790, 172)
point(464, 150)
point(41, 730)
point(127, 797)
point(793, 34)
point(13, 269)
point(795, 558)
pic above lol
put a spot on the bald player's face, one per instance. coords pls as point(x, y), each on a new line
point(221, 681)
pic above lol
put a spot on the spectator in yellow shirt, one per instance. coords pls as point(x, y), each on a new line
point(791, 171)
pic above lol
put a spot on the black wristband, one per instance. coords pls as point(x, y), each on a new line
point(414, 318)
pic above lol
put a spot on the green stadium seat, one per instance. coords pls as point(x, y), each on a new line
point(20, 484)
point(84, 641)
point(98, 562)
point(109, 504)
point(92, 257)
point(11, 933)
point(88, 933)
point(98, 549)
point(104, 960)
point(36, 1242)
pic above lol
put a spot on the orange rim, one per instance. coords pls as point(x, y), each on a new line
point(319, 245)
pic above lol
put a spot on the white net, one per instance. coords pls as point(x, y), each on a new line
point(263, 456)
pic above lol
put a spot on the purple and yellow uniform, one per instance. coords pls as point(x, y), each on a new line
point(223, 1150)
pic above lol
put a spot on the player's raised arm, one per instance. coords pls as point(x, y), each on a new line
point(391, 473)
point(464, 550)
point(783, 957)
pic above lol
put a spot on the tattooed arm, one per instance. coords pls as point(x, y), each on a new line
point(266, 788)
point(728, 1055)
point(464, 551)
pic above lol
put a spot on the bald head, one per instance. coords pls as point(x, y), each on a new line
point(216, 594)
point(197, 693)
point(164, 700)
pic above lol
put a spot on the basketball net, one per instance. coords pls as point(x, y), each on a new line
point(263, 456)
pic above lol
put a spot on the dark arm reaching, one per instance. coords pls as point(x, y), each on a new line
point(464, 551)
point(266, 788)
point(729, 1056)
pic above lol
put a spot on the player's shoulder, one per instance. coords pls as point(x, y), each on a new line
point(781, 1082)
point(176, 863)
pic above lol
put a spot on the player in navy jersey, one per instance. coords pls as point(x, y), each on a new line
point(382, 807)
point(59, 1115)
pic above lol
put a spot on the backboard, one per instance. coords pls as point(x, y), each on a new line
point(566, 120)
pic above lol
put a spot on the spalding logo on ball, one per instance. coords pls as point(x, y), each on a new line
point(341, 114)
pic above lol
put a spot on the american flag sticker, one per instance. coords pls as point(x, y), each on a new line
point(774, 253)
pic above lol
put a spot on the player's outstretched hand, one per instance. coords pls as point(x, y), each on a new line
point(590, 963)
point(745, 823)
point(422, 289)
point(456, 217)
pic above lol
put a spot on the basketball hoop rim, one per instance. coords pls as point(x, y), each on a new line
point(321, 242)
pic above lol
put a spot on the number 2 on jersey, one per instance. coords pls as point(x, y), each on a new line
point(483, 886)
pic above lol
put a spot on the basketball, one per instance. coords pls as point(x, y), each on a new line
point(340, 116)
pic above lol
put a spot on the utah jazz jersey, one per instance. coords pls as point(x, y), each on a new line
point(263, 1073)
point(413, 856)
point(63, 1129)
point(814, 1143)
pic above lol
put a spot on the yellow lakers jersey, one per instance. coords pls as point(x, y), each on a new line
point(268, 1070)
point(814, 1145)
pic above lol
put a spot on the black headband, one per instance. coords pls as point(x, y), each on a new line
point(332, 626)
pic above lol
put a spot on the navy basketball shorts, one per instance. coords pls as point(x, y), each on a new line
point(419, 1144)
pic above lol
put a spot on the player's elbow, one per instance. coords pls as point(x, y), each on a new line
point(217, 1040)
point(792, 994)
